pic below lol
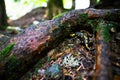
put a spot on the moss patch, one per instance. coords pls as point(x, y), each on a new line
point(104, 26)
point(5, 51)
point(59, 15)
point(83, 16)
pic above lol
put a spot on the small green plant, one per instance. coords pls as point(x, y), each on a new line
point(5, 51)
point(59, 15)
point(80, 78)
point(48, 59)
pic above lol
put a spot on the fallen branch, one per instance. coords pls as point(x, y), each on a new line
point(103, 64)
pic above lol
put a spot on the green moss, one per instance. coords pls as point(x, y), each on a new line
point(59, 15)
point(83, 17)
point(5, 51)
point(92, 23)
point(105, 26)
point(80, 78)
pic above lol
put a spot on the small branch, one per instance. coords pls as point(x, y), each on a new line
point(103, 64)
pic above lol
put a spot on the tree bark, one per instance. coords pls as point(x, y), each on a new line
point(54, 7)
point(93, 3)
point(73, 4)
point(3, 15)
point(33, 43)
point(103, 64)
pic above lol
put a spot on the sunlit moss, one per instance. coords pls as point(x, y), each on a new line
point(5, 51)
point(59, 15)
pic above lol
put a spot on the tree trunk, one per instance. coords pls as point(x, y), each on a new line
point(3, 16)
point(34, 43)
point(73, 4)
point(93, 3)
point(55, 7)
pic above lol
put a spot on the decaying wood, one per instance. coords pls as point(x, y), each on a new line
point(32, 43)
point(103, 64)
point(35, 36)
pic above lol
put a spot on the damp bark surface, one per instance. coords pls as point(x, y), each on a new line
point(103, 64)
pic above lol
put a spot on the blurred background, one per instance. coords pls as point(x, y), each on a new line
point(17, 8)
point(23, 13)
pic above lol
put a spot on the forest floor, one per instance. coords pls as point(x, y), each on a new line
point(72, 59)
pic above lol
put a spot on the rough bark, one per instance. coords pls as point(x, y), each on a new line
point(103, 64)
point(32, 44)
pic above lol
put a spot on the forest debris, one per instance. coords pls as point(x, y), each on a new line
point(67, 56)
point(54, 72)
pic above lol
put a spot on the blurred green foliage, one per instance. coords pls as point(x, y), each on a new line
point(16, 0)
point(4, 52)
point(34, 2)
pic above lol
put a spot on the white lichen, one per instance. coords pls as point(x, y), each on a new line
point(70, 61)
point(41, 71)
